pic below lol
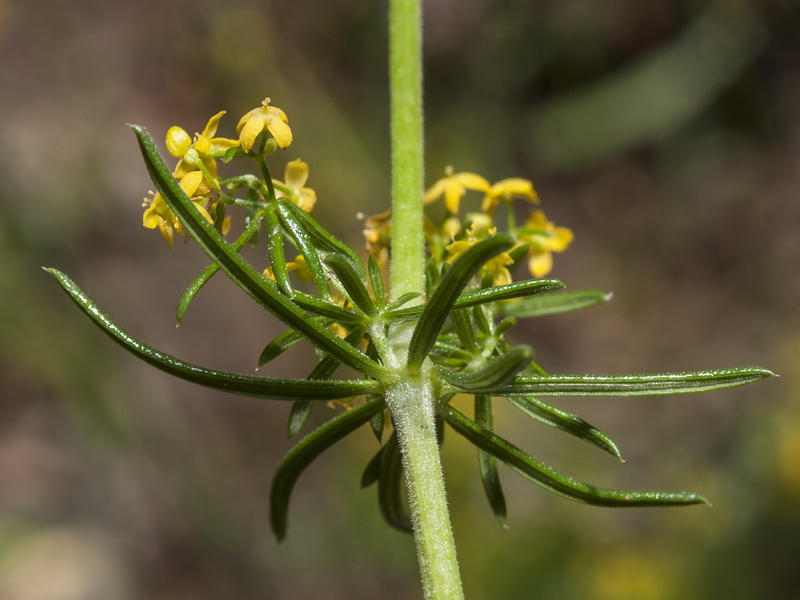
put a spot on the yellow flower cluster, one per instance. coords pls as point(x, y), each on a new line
point(197, 173)
point(540, 235)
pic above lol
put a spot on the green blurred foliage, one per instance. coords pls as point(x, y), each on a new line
point(665, 134)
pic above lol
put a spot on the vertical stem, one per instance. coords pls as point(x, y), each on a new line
point(405, 83)
point(411, 402)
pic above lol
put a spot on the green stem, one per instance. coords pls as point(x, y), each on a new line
point(405, 83)
point(411, 402)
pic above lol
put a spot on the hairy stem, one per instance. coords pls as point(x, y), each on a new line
point(405, 82)
point(411, 402)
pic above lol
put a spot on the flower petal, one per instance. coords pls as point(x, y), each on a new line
point(296, 174)
point(540, 263)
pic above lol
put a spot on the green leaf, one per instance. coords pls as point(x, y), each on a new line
point(372, 471)
point(630, 385)
point(257, 387)
point(441, 302)
point(556, 482)
point(345, 316)
point(377, 422)
point(352, 283)
point(376, 281)
point(391, 487)
point(283, 342)
point(560, 419)
point(305, 452)
point(277, 260)
point(264, 291)
point(539, 306)
point(322, 371)
point(488, 463)
point(500, 369)
point(471, 298)
point(321, 237)
point(250, 231)
point(404, 299)
point(305, 245)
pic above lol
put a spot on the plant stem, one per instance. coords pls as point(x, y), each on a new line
point(412, 400)
point(405, 84)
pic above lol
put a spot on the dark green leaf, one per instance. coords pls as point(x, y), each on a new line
point(257, 387)
point(250, 231)
point(320, 236)
point(488, 463)
point(323, 370)
point(277, 259)
point(439, 305)
point(630, 385)
point(377, 423)
point(256, 285)
point(283, 342)
point(560, 419)
point(538, 306)
point(405, 298)
point(391, 487)
point(348, 276)
point(497, 370)
point(373, 469)
point(305, 244)
point(376, 280)
point(345, 316)
point(305, 452)
point(556, 482)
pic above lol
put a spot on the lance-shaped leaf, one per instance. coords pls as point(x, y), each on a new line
point(488, 463)
point(284, 341)
point(376, 423)
point(277, 260)
point(257, 387)
point(250, 231)
point(469, 298)
point(404, 299)
point(549, 478)
point(376, 280)
point(305, 244)
point(263, 290)
point(348, 275)
point(318, 234)
point(439, 305)
point(630, 385)
point(345, 316)
point(299, 457)
point(323, 370)
point(561, 419)
point(391, 487)
point(538, 306)
point(372, 471)
point(500, 369)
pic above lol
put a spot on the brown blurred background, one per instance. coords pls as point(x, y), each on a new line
point(666, 134)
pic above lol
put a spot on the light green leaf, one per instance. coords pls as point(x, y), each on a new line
point(539, 306)
point(500, 369)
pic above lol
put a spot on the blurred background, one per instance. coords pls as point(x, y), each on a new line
point(665, 134)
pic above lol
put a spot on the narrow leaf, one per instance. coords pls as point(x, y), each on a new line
point(446, 293)
point(497, 370)
point(376, 280)
point(257, 387)
point(630, 385)
point(277, 260)
point(391, 487)
point(306, 246)
point(345, 316)
point(561, 419)
point(305, 452)
point(556, 482)
point(321, 237)
point(256, 285)
point(372, 471)
point(283, 342)
point(377, 422)
point(488, 463)
point(250, 231)
point(538, 306)
point(348, 275)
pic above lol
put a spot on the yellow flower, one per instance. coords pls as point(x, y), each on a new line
point(480, 228)
point(295, 178)
point(515, 187)
point(544, 239)
point(378, 235)
point(453, 186)
point(299, 265)
point(266, 117)
point(159, 214)
point(200, 153)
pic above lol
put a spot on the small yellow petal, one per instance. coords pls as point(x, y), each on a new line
point(212, 125)
point(452, 196)
point(190, 182)
point(540, 263)
point(252, 128)
point(178, 141)
point(436, 190)
point(561, 239)
point(296, 174)
point(471, 181)
point(280, 131)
